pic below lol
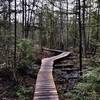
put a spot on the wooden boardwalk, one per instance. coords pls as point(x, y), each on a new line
point(45, 88)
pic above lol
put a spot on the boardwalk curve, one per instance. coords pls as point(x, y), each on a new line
point(45, 88)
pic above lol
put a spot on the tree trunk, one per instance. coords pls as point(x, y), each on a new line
point(83, 30)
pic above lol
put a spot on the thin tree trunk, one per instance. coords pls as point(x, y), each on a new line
point(83, 30)
point(14, 67)
point(80, 35)
point(61, 40)
point(26, 35)
point(9, 15)
point(67, 24)
point(23, 18)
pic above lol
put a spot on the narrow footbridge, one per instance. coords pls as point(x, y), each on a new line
point(45, 88)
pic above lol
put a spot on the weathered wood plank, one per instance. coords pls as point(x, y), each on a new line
point(45, 87)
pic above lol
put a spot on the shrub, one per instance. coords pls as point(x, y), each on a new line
point(24, 54)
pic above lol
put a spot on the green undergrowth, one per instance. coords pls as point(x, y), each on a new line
point(24, 93)
point(25, 57)
point(24, 52)
point(88, 88)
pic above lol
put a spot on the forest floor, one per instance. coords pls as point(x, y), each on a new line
point(10, 90)
point(65, 79)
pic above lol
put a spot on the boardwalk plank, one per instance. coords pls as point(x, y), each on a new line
point(45, 87)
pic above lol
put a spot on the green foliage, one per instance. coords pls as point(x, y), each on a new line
point(82, 91)
point(89, 87)
point(24, 52)
point(23, 92)
point(94, 22)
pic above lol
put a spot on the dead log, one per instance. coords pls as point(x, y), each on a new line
point(70, 69)
point(63, 65)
